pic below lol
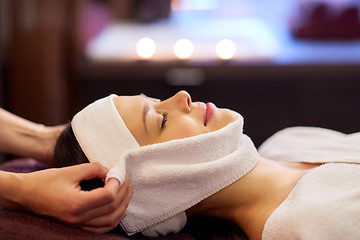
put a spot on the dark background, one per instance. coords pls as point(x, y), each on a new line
point(46, 77)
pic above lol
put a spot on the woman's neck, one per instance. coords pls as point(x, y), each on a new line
point(251, 200)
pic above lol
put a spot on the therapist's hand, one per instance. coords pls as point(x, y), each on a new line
point(57, 193)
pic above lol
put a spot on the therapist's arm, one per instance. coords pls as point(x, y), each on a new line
point(56, 193)
point(24, 138)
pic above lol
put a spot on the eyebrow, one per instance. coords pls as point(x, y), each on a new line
point(145, 112)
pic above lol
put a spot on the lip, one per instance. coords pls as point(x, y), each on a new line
point(210, 108)
point(203, 108)
point(208, 111)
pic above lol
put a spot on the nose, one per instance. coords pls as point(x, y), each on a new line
point(181, 100)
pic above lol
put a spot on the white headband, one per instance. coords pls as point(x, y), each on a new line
point(102, 134)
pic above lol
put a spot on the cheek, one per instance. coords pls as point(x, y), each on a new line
point(182, 130)
point(140, 138)
point(185, 132)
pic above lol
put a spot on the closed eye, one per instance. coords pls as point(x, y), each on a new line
point(165, 118)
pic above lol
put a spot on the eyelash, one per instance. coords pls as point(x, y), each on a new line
point(165, 118)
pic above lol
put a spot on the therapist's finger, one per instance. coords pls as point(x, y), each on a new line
point(110, 212)
point(113, 217)
point(104, 195)
point(87, 171)
point(104, 229)
point(109, 221)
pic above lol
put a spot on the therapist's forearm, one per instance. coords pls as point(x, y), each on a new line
point(22, 137)
point(9, 190)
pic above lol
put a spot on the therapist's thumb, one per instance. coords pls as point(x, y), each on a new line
point(87, 171)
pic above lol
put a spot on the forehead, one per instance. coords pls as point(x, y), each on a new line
point(130, 109)
point(127, 104)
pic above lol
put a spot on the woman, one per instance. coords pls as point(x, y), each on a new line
point(255, 201)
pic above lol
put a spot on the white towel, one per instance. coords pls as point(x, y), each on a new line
point(324, 205)
point(102, 134)
point(167, 178)
point(170, 177)
point(312, 145)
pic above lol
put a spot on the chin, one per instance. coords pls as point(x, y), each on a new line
point(222, 118)
point(230, 114)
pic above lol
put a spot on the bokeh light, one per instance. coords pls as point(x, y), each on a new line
point(146, 48)
point(183, 48)
point(225, 49)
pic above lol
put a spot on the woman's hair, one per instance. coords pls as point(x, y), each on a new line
point(68, 152)
point(67, 149)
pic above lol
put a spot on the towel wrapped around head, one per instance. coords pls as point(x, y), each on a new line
point(167, 178)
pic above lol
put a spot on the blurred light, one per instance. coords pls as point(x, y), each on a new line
point(183, 48)
point(225, 49)
point(188, 5)
point(146, 48)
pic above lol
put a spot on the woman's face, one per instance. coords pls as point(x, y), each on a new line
point(153, 121)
